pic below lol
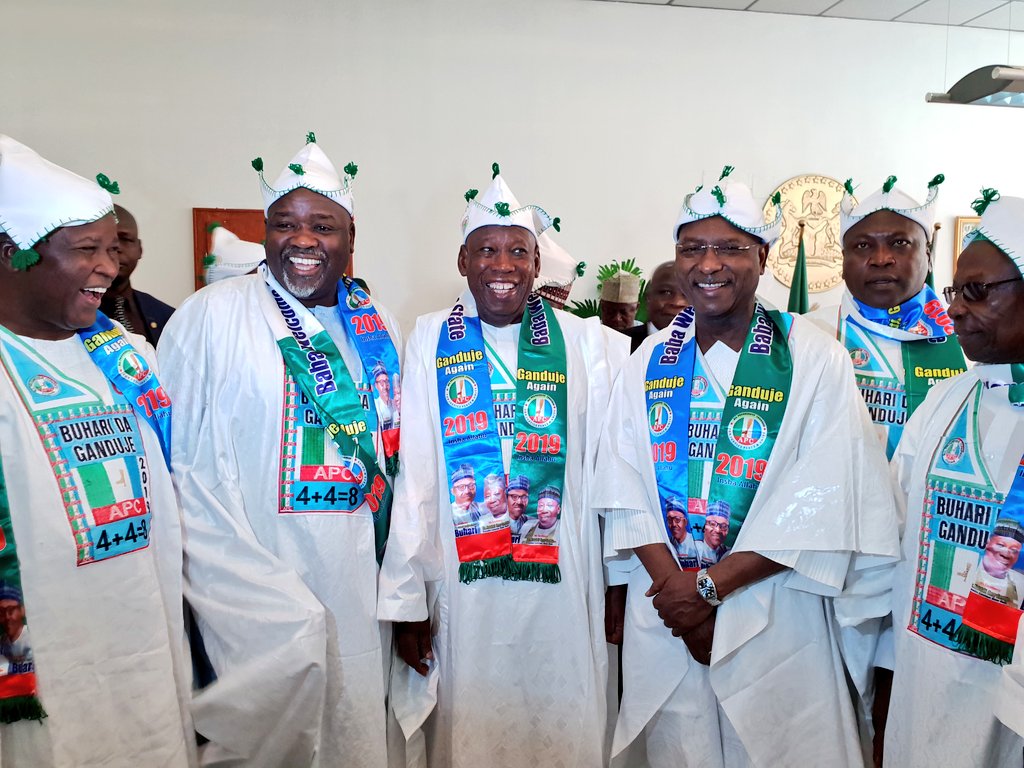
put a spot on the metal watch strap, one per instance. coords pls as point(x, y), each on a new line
point(706, 587)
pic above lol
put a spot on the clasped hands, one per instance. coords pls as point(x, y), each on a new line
point(685, 612)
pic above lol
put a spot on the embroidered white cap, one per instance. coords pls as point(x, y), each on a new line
point(734, 202)
point(497, 206)
point(621, 288)
point(311, 169)
point(558, 270)
point(38, 197)
point(231, 256)
point(1002, 224)
point(889, 198)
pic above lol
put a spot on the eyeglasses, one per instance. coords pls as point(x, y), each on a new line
point(694, 251)
point(717, 526)
point(972, 292)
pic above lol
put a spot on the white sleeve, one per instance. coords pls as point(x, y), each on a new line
point(263, 629)
point(414, 556)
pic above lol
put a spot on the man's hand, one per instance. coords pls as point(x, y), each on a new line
point(614, 613)
point(699, 639)
point(677, 601)
point(412, 643)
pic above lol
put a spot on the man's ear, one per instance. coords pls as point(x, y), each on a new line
point(7, 250)
point(463, 261)
point(351, 239)
point(928, 253)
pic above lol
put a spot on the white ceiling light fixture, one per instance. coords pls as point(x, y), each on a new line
point(991, 86)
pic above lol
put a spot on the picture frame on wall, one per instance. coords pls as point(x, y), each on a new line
point(247, 223)
point(964, 226)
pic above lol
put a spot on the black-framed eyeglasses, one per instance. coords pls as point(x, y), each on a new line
point(697, 250)
point(972, 292)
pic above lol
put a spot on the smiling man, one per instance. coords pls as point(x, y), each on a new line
point(94, 669)
point(892, 323)
point(956, 596)
point(750, 417)
point(285, 468)
point(511, 387)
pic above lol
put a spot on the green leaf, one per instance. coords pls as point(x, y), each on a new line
point(586, 308)
point(24, 258)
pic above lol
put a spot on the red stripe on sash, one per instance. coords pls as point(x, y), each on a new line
point(23, 684)
point(992, 618)
point(483, 546)
point(535, 553)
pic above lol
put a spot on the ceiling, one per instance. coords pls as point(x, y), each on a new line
point(988, 14)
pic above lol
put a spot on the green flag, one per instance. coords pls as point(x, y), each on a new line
point(799, 303)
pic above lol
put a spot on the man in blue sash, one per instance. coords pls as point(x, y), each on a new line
point(892, 323)
point(750, 413)
point(93, 575)
point(961, 478)
point(285, 469)
point(505, 384)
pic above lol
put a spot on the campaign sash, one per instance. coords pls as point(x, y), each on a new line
point(928, 346)
point(749, 426)
point(969, 594)
point(131, 375)
point(18, 698)
point(314, 361)
point(472, 448)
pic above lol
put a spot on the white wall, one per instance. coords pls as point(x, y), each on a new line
point(606, 114)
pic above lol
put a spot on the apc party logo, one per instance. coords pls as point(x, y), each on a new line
point(540, 411)
point(700, 386)
point(659, 418)
point(953, 451)
point(43, 385)
point(356, 469)
point(859, 357)
point(133, 366)
point(358, 299)
point(461, 392)
point(747, 431)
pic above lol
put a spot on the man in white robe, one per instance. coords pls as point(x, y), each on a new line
point(968, 435)
point(513, 672)
point(281, 575)
point(887, 304)
point(95, 527)
point(758, 680)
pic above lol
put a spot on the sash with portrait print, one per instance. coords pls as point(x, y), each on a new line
point(96, 453)
point(313, 360)
point(930, 352)
point(472, 447)
point(971, 585)
point(746, 433)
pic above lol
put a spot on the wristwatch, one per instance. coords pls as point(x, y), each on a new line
point(706, 587)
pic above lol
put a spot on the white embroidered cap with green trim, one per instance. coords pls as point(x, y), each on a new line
point(558, 270)
point(734, 202)
point(232, 256)
point(38, 197)
point(497, 206)
point(889, 198)
point(1002, 224)
point(310, 169)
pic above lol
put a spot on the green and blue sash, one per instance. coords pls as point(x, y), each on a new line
point(930, 352)
point(750, 422)
point(968, 598)
point(472, 447)
point(314, 361)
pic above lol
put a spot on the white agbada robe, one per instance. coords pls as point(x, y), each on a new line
point(521, 667)
point(942, 710)
point(266, 586)
point(775, 693)
point(108, 637)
